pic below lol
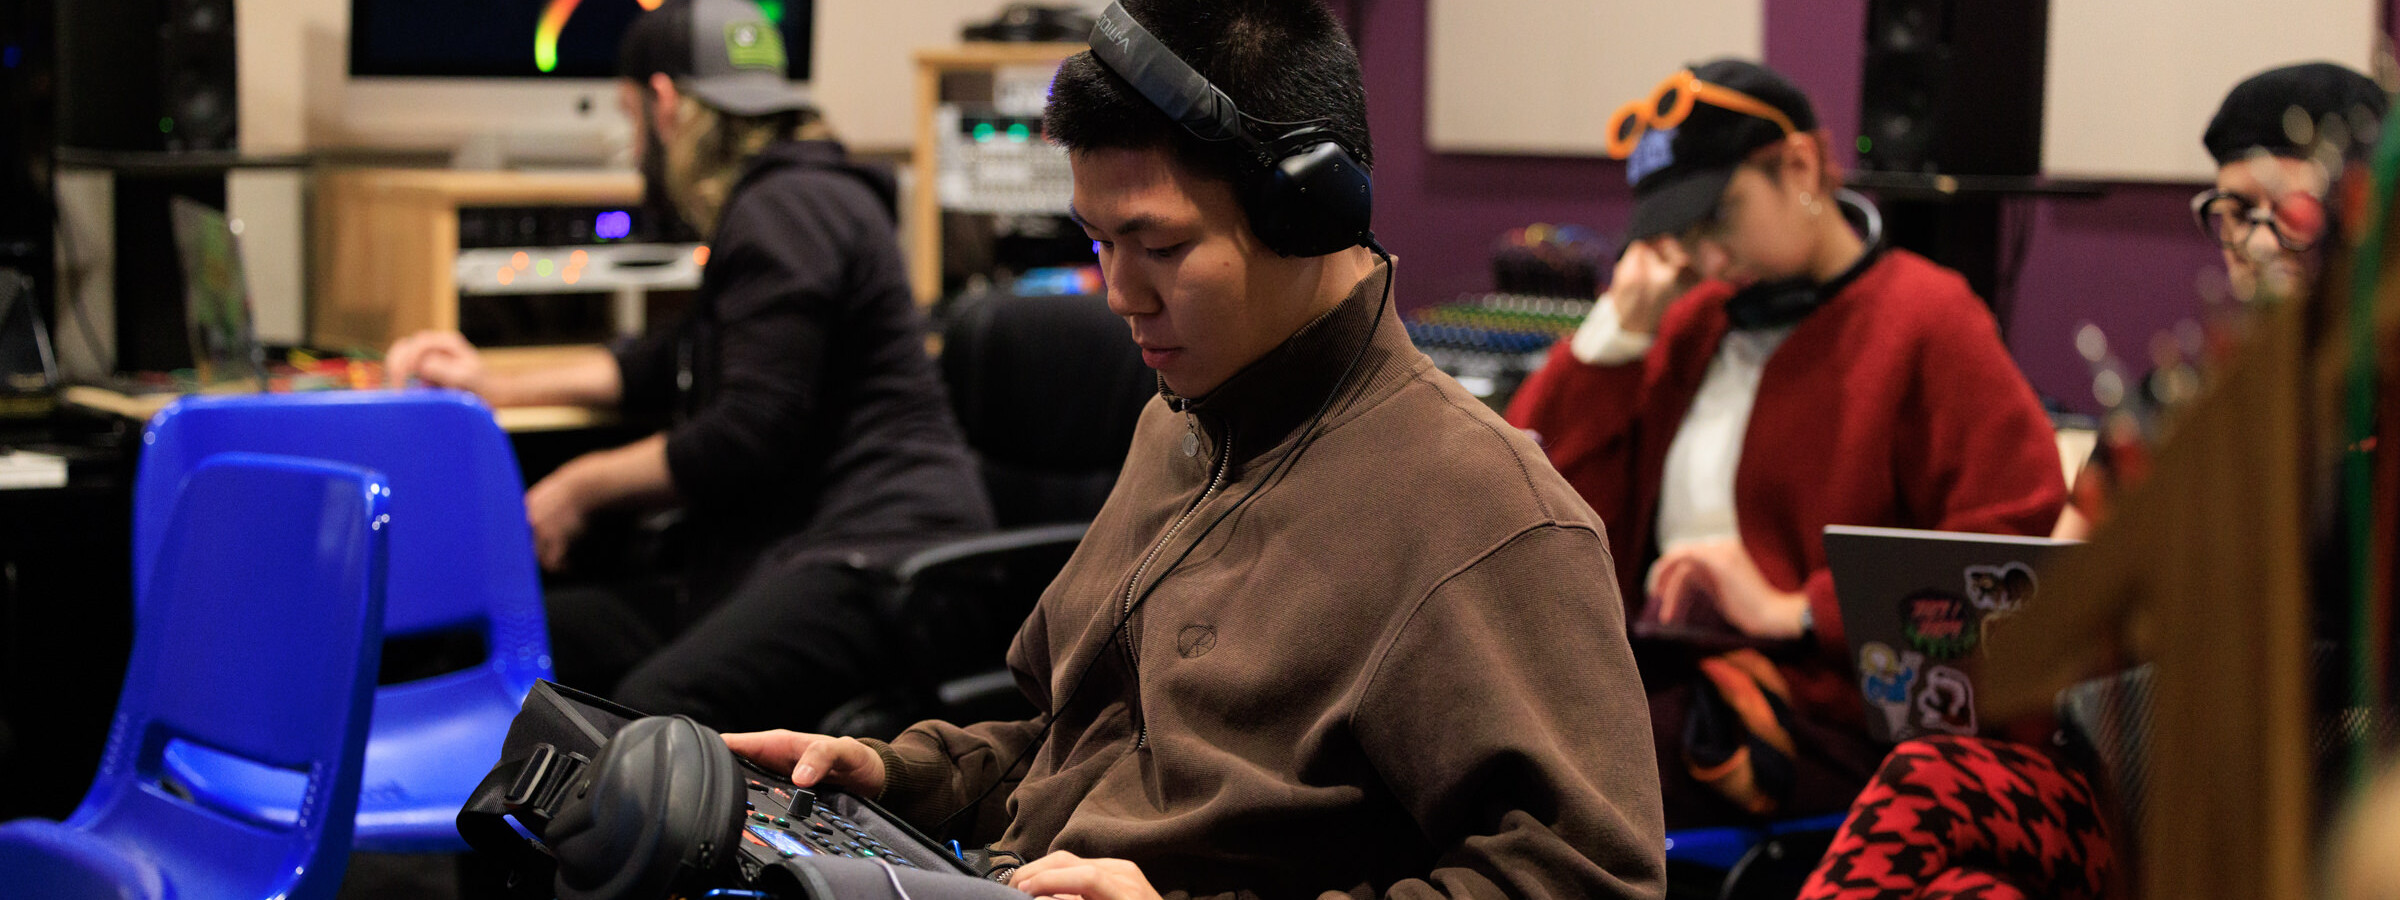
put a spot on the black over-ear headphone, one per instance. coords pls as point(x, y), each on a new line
point(1774, 304)
point(1306, 196)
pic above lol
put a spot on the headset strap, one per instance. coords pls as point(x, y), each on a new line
point(529, 789)
point(1131, 51)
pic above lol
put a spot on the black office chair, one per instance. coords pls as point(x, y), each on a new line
point(1047, 389)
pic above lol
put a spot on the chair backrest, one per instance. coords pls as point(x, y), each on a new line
point(261, 644)
point(466, 561)
point(1048, 389)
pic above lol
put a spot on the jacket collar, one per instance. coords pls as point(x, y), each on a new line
point(1276, 394)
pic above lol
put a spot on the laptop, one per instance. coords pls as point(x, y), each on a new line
point(216, 297)
point(1915, 605)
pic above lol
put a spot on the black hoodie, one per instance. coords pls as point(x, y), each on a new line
point(804, 419)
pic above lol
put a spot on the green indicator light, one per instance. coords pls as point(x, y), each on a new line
point(772, 9)
point(1019, 133)
point(983, 131)
point(1866, 144)
point(544, 268)
point(166, 125)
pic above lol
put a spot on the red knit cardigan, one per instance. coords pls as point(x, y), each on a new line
point(1893, 404)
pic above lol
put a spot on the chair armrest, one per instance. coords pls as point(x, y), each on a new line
point(988, 546)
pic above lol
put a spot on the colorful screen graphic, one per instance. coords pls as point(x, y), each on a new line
point(521, 38)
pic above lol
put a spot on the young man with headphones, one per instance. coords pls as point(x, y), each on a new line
point(1757, 371)
point(1339, 629)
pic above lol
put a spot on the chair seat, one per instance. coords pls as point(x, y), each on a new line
point(431, 742)
point(57, 862)
point(1716, 848)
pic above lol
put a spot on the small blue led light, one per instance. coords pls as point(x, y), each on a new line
point(613, 225)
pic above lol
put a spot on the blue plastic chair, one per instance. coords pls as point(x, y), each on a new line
point(1730, 857)
point(261, 644)
point(463, 562)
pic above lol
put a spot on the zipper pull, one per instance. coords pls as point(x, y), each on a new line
point(1191, 435)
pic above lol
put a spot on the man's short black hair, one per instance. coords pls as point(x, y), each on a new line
point(1279, 60)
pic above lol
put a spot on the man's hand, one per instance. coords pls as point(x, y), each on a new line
point(558, 509)
point(1063, 874)
point(1649, 276)
point(814, 758)
point(1720, 575)
point(438, 358)
point(558, 505)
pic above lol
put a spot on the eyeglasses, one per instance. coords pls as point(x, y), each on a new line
point(1673, 101)
point(2232, 219)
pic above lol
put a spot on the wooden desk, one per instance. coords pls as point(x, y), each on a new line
point(512, 419)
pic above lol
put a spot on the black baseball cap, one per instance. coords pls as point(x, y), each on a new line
point(725, 52)
point(1679, 172)
point(2261, 113)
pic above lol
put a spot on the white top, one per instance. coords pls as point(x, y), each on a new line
point(1695, 502)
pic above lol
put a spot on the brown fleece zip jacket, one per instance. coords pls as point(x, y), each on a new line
point(1393, 666)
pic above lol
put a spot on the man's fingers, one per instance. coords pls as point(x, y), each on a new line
point(776, 751)
point(843, 762)
point(1083, 880)
point(1063, 874)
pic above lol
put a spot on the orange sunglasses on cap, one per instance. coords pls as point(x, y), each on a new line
point(1672, 102)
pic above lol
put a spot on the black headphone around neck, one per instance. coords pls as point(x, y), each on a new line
point(1774, 304)
point(1306, 196)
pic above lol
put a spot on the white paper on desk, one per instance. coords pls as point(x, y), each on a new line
point(23, 469)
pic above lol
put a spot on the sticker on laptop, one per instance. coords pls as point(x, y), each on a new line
point(1938, 623)
point(1947, 703)
point(2000, 588)
point(1885, 676)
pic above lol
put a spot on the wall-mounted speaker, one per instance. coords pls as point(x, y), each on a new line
point(147, 75)
point(197, 86)
point(1953, 87)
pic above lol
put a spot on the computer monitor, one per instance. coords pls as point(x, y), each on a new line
point(525, 80)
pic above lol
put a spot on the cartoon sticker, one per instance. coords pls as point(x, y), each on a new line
point(1938, 623)
point(1885, 676)
point(2000, 588)
point(1947, 704)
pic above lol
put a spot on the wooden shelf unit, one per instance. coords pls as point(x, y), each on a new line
point(924, 237)
point(386, 242)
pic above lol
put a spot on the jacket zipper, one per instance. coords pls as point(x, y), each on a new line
point(1216, 479)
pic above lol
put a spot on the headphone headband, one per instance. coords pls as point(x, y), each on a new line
point(1169, 83)
point(1304, 193)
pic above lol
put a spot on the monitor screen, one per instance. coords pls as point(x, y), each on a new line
point(521, 38)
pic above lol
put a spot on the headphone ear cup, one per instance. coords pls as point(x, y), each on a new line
point(1314, 200)
point(658, 811)
point(1773, 303)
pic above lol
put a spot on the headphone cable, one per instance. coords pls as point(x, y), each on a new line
point(1307, 435)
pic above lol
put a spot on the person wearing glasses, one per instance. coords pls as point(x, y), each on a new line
point(2278, 139)
point(2271, 140)
point(1756, 371)
point(2038, 826)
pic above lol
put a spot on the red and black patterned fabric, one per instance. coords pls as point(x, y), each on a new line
point(1969, 818)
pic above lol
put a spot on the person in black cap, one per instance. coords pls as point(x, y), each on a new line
point(802, 429)
point(2279, 140)
point(1756, 371)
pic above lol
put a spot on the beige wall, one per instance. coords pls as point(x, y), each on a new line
point(1541, 76)
point(2132, 82)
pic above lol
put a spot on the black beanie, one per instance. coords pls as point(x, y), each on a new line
point(2254, 115)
